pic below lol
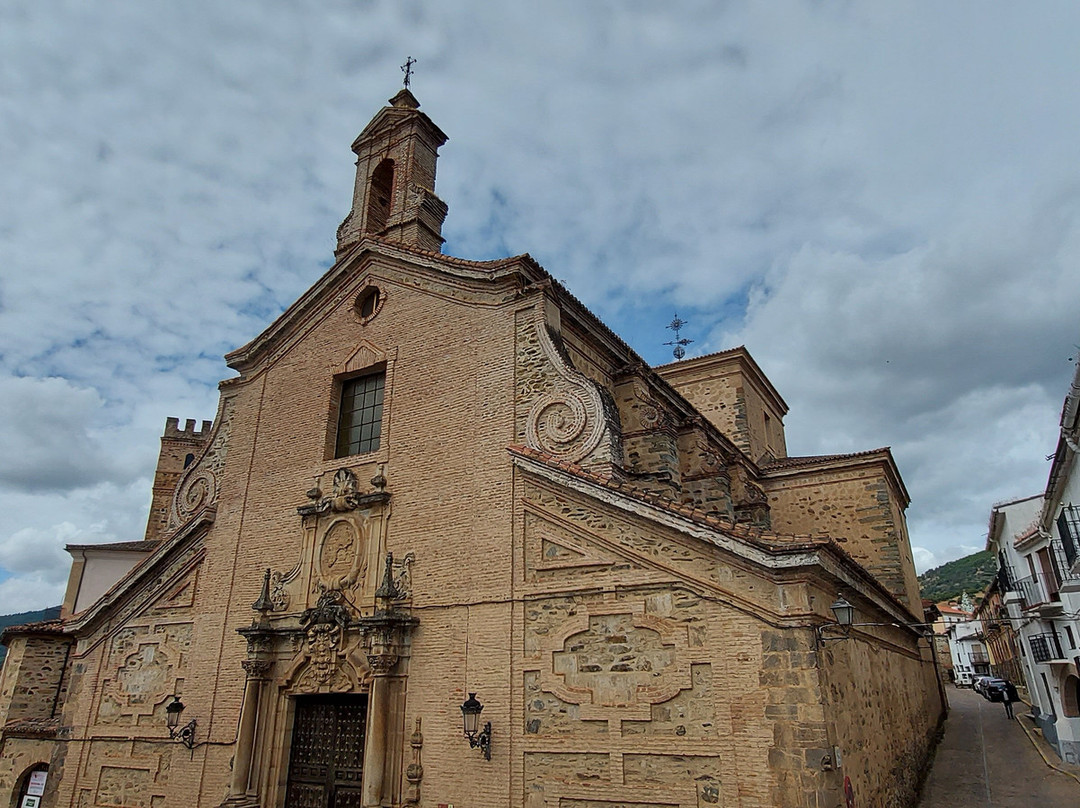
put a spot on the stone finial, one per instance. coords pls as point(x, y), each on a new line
point(264, 605)
point(388, 590)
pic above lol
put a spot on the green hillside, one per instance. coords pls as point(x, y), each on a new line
point(969, 574)
point(25, 617)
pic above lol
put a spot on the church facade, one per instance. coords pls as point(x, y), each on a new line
point(438, 483)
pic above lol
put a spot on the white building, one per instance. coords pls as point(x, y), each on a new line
point(1037, 541)
point(967, 650)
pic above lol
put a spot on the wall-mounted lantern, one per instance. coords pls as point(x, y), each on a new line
point(184, 734)
point(470, 713)
point(844, 613)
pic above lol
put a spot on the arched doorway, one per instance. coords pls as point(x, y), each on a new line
point(1070, 696)
point(31, 786)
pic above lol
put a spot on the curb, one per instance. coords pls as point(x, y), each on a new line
point(1038, 748)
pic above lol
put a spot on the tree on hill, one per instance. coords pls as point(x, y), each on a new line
point(969, 574)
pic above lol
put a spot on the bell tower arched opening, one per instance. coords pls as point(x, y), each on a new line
point(380, 194)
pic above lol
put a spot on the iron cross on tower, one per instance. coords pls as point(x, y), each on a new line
point(407, 70)
point(680, 344)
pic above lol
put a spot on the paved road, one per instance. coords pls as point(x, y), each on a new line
point(987, 761)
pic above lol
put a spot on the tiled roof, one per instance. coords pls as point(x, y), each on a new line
point(762, 538)
point(54, 626)
point(41, 627)
point(1031, 533)
point(128, 546)
point(813, 460)
point(712, 355)
point(450, 259)
point(32, 727)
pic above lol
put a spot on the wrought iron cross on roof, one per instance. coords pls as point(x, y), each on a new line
point(407, 70)
point(679, 343)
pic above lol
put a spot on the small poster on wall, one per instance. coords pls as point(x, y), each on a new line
point(30, 801)
point(36, 786)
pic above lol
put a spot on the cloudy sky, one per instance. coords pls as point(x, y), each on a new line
point(882, 201)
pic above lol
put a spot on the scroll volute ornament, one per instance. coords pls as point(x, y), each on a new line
point(200, 483)
point(568, 420)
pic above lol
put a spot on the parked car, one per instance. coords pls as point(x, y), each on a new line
point(993, 689)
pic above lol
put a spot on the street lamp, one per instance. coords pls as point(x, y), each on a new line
point(844, 611)
point(184, 734)
point(470, 714)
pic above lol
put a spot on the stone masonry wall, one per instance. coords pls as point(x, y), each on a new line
point(657, 674)
point(33, 676)
point(885, 710)
point(33, 688)
point(722, 404)
point(17, 756)
point(857, 507)
point(724, 388)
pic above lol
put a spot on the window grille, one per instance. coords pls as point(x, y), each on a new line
point(1068, 523)
point(360, 417)
point(1045, 647)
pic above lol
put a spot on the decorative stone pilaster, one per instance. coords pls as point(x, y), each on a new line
point(385, 633)
point(243, 788)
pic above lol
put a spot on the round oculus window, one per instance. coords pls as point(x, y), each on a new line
point(368, 303)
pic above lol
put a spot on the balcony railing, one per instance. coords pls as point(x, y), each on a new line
point(1044, 586)
point(980, 659)
point(1032, 591)
point(1045, 647)
point(1037, 590)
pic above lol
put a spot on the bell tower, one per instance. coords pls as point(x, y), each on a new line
point(394, 197)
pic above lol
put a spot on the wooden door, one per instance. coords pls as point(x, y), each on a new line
point(326, 759)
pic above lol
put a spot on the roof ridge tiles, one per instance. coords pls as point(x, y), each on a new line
point(735, 349)
point(805, 460)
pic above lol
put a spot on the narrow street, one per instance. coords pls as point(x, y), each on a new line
point(987, 761)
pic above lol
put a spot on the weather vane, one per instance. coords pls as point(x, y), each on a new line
point(407, 70)
point(679, 343)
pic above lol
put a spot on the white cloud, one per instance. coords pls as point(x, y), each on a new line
point(25, 593)
point(880, 201)
point(40, 553)
point(46, 438)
